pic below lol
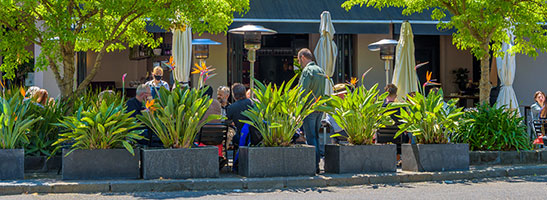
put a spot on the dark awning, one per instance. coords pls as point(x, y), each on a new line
point(303, 16)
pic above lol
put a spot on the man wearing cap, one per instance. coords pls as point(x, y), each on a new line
point(312, 81)
point(340, 91)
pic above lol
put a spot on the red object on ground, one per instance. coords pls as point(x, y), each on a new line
point(219, 148)
point(538, 140)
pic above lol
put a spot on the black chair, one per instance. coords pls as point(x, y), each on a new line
point(538, 126)
point(387, 135)
point(214, 134)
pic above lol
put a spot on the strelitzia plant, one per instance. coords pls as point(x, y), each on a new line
point(175, 116)
point(279, 111)
point(429, 118)
point(15, 120)
point(102, 126)
point(360, 113)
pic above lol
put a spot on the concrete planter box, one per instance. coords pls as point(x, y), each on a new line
point(277, 161)
point(12, 164)
point(507, 157)
point(360, 158)
point(42, 164)
point(101, 164)
point(201, 162)
point(435, 157)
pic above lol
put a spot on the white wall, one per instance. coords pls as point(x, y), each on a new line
point(218, 59)
point(114, 65)
point(530, 77)
point(451, 59)
point(366, 59)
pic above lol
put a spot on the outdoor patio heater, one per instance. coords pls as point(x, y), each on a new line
point(252, 35)
point(201, 49)
point(387, 53)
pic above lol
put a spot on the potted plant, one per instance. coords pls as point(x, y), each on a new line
point(38, 152)
point(461, 76)
point(496, 135)
point(16, 120)
point(175, 118)
point(98, 142)
point(360, 113)
point(432, 121)
point(277, 114)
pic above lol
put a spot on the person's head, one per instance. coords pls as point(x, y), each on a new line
point(539, 97)
point(223, 93)
point(239, 91)
point(208, 91)
point(143, 92)
point(304, 57)
point(340, 90)
point(158, 73)
point(31, 90)
point(41, 96)
point(106, 94)
point(391, 89)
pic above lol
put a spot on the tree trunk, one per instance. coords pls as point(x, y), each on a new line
point(485, 84)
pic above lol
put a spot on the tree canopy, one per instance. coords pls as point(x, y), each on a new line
point(63, 27)
point(481, 25)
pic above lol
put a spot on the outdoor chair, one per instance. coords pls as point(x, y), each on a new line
point(538, 127)
point(214, 134)
point(387, 135)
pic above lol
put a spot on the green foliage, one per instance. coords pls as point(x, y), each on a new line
point(44, 132)
point(175, 116)
point(279, 111)
point(92, 98)
point(493, 129)
point(429, 118)
point(106, 126)
point(15, 120)
point(360, 113)
point(480, 22)
point(63, 27)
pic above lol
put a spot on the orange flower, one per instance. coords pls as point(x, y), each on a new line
point(2, 83)
point(15, 118)
point(428, 80)
point(353, 81)
point(150, 105)
point(22, 91)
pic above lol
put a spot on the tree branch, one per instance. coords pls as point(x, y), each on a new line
point(94, 70)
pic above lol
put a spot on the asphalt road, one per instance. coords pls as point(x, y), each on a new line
point(531, 187)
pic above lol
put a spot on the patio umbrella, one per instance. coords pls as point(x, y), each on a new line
point(326, 50)
point(182, 54)
point(506, 72)
point(404, 74)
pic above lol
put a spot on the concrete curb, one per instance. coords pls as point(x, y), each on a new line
point(324, 180)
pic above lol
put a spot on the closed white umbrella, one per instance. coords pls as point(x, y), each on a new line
point(404, 74)
point(182, 54)
point(506, 72)
point(326, 50)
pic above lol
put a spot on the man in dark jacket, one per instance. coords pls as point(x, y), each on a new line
point(234, 111)
point(137, 104)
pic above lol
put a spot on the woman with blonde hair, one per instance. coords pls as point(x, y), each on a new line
point(41, 97)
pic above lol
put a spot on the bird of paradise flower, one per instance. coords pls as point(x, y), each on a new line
point(205, 72)
point(150, 105)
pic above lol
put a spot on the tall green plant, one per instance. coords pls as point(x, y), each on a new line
point(44, 132)
point(429, 118)
point(493, 129)
point(175, 116)
point(106, 126)
point(360, 113)
point(279, 112)
point(15, 120)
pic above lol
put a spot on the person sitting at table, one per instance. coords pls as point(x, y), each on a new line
point(223, 93)
point(136, 104)
point(157, 82)
point(235, 110)
point(539, 98)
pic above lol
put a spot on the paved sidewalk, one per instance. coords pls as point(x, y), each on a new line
point(230, 181)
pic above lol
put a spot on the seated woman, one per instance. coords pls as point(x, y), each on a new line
point(41, 98)
point(539, 98)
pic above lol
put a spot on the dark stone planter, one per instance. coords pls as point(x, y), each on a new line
point(201, 162)
point(12, 163)
point(435, 157)
point(42, 163)
point(101, 164)
point(277, 161)
point(507, 157)
point(360, 158)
